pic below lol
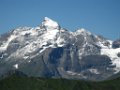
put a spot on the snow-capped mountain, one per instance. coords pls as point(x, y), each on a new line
point(49, 50)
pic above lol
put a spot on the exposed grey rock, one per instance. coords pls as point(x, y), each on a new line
point(116, 44)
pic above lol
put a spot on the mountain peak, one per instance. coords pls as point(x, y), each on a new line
point(50, 24)
point(47, 19)
point(83, 31)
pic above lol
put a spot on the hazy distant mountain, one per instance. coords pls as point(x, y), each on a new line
point(49, 50)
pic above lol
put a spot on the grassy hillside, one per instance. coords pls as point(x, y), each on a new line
point(24, 83)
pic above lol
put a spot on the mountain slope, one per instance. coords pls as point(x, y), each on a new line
point(49, 50)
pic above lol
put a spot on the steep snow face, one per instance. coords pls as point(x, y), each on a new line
point(106, 49)
point(35, 43)
point(113, 54)
point(22, 31)
point(51, 34)
point(5, 44)
point(50, 24)
point(20, 35)
point(35, 39)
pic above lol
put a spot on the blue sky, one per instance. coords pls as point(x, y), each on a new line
point(98, 16)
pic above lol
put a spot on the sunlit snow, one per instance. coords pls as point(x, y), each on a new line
point(15, 66)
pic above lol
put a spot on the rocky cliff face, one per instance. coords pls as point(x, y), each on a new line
point(48, 50)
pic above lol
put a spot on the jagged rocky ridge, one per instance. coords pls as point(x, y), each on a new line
point(49, 50)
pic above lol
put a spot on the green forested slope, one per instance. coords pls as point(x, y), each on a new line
point(28, 83)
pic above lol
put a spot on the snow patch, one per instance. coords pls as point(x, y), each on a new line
point(29, 61)
point(102, 44)
point(15, 66)
point(73, 73)
point(95, 71)
point(26, 57)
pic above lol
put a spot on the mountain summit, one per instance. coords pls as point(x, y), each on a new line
point(51, 51)
point(50, 24)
